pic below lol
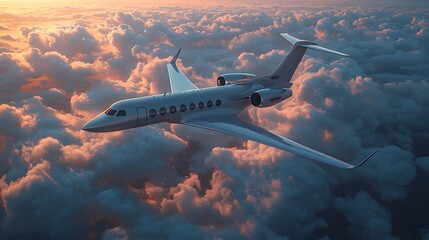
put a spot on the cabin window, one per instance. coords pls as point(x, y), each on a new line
point(192, 106)
point(218, 102)
point(152, 113)
point(209, 104)
point(110, 112)
point(200, 105)
point(121, 113)
point(162, 111)
point(182, 107)
point(173, 109)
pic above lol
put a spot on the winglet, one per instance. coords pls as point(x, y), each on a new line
point(366, 159)
point(173, 61)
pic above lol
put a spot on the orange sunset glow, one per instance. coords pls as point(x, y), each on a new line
point(64, 62)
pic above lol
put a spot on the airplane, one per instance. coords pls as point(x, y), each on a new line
point(217, 108)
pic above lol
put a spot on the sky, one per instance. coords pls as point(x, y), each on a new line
point(63, 63)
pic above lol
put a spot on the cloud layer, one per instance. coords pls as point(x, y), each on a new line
point(168, 181)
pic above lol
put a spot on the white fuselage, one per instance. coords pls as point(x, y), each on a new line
point(173, 107)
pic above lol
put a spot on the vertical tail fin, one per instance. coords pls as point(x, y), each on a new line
point(287, 67)
point(178, 80)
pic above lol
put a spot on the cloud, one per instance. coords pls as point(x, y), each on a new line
point(42, 194)
point(169, 181)
point(7, 37)
point(115, 233)
point(56, 99)
point(51, 69)
point(11, 78)
point(398, 173)
point(69, 41)
point(367, 218)
point(3, 28)
point(423, 163)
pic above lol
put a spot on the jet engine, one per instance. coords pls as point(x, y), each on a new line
point(230, 78)
point(269, 97)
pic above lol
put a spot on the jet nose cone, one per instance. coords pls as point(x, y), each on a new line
point(101, 123)
point(89, 126)
point(95, 125)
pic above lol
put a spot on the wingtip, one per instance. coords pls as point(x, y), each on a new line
point(173, 61)
point(366, 159)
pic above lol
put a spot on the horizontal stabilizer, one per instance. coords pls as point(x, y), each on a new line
point(288, 66)
point(311, 45)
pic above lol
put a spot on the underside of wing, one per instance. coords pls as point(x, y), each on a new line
point(178, 80)
point(234, 126)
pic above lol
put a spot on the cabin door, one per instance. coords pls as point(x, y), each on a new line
point(141, 116)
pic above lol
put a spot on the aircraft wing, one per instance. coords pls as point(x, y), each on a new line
point(178, 80)
point(234, 126)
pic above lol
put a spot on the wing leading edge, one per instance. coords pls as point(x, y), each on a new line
point(234, 126)
point(178, 80)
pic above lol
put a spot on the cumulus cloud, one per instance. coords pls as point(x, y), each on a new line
point(7, 37)
point(2, 27)
point(367, 218)
point(47, 198)
point(70, 41)
point(168, 181)
point(11, 78)
point(423, 163)
point(56, 99)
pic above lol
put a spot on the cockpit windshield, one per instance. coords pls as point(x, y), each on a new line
point(121, 113)
point(112, 112)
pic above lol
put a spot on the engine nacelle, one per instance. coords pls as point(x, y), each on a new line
point(269, 97)
point(229, 78)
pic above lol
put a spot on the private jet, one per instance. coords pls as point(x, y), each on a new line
point(217, 108)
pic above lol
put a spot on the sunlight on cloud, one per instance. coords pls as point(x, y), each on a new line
point(60, 66)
